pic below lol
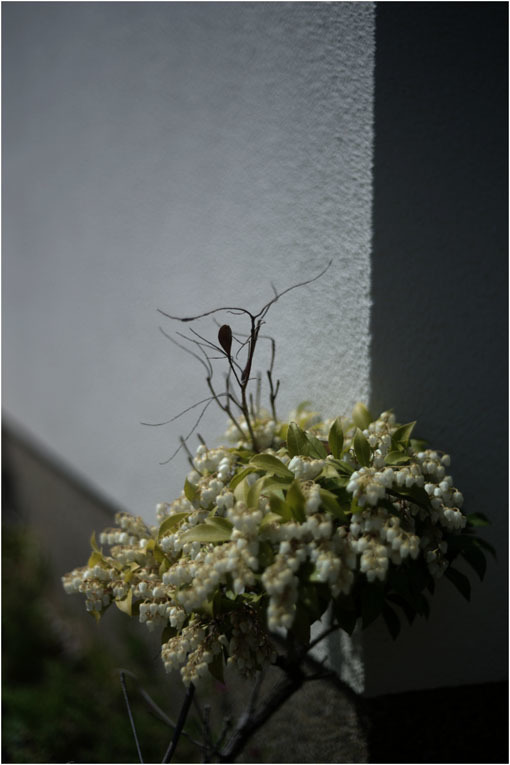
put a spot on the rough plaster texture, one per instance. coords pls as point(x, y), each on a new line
point(180, 156)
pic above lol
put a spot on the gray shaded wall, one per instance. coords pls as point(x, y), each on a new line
point(439, 315)
point(180, 156)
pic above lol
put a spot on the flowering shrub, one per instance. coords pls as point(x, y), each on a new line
point(352, 513)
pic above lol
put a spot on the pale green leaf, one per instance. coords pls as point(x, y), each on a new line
point(170, 524)
point(281, 508)
point(336, 438)
point(207, 532)
point(270, 464)
point(126, 605)
point(361, 416)
point(190, 491)
point(240, 476)
point(296, 501)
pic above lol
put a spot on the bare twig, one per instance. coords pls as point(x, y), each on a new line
point(130, 715)
point(180, 723)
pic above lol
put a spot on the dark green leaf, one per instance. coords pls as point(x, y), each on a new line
point(408, 610)
point(330, 503)
point(486, 546)
point(372, 601)
point(396, 458)
point(392, 621)
point(418, 444)
point(266, 554)
point(477, 519)
point(403, 433)
point(215, 667)
point(361, 416)
point(343, 467)
point(476, 560)
point(297, 442)
point(336, 438)
point(346, 619)
point(362, 449)
point(460, 581)
point(167, 634)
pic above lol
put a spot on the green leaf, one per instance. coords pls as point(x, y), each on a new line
point(270, 518)
point(372, 601)
point(343, 467)
point(281, 508)
point(190, 491)
point(297, 441)
point(392, 621)
point(476, 560)
point(361, 416)
point(330, 504)
point(477, 519)
point(362, 449)
point(316, 448)
point(93, 543)
point(403, 433)
point(270, 464)
point(240, 476)
point(486, 546)
point(252, 497)
point(408, 610)
point(95, 559)
point(296, 501)
point(209, 532)
point(126, 604)
point(336, 438)
point(460, 581)
point(346, 619)
point(418, 444)
point(266, 554)
point(416, 494)
point(170, 524)
point(396, 458)
point(273, 484)
point(215, 667)
point(301, 625)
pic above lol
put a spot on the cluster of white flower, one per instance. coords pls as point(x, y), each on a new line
point(230, 556)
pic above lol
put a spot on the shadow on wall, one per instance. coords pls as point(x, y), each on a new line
point(439, 272)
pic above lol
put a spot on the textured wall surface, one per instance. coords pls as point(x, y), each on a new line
point(179, 156)
point(440, 312)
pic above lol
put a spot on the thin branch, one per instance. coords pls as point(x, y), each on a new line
point(263, 311)
point(228, 309)
point(184, 411)
point(320, 637)
point(183, 347)
point(185, 438)
point(180, 723)
point(130, 715)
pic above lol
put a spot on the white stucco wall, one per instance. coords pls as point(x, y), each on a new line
point(179, 156)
